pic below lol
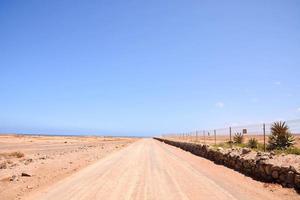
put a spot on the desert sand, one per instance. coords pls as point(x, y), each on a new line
point(45, 160)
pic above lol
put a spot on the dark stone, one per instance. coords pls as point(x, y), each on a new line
point(290, 177)
point(25, 174)
point(275, 174)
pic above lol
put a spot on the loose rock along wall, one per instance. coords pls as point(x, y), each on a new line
point(268, 167)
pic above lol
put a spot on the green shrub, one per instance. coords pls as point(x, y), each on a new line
point(290, 150)
point(224, 145)
point(281, 137)
point(293, 150)
point(238, 138)
point(252, 143)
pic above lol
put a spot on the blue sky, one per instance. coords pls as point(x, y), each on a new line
point(147, 67)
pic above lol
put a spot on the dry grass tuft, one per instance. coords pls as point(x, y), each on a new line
point(15, 154)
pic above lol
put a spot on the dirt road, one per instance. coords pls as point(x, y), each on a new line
point(148, 169)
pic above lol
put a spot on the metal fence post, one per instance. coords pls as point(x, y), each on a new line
point(230, 136)
point(215, 134)
point(264, 130)
point(204, 137)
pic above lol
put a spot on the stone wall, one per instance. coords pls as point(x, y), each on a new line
point(268, 167)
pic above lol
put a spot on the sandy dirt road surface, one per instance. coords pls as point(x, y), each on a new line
point(148, 169)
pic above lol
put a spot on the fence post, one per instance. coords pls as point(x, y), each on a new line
point(204, 137)
point(264, 130)
point(230, 136)
point(215, 134)
point(196, 136)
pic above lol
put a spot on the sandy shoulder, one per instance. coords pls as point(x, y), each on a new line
point(48, 160)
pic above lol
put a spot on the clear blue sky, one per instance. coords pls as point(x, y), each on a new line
point(147, 67)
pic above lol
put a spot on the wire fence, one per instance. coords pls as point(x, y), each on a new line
point(261, 132)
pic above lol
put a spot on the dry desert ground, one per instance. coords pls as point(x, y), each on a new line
point(44, 160)
point(85, 168)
